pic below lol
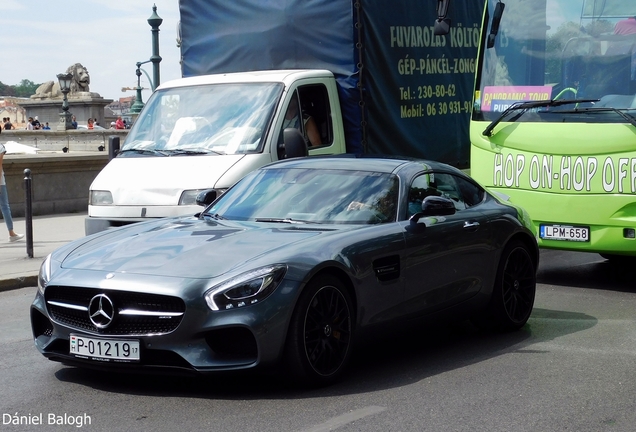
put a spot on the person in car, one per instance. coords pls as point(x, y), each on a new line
point(292, 120)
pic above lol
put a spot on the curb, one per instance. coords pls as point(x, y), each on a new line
point(18, 282)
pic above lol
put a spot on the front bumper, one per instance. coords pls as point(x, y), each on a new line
point(603, 239)
point(204, 341)
point(610, 217)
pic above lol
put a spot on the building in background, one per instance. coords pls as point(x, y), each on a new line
point(121, 108)
point(9, 108)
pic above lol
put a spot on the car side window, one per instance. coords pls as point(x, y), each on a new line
point(448, 187)
point(462, 193)
point(418, 190)
point(471, 193)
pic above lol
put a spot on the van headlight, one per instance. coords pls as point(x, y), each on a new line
point(45, 274)
point(189, 197)
point(246, 289)
point(99, 198)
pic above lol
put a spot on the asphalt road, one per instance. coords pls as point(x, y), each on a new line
point(571, 368)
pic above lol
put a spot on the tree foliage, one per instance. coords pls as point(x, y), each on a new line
point(556, 43)
point(26, 88)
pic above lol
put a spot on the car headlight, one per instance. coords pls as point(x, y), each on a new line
point(45, 274)
point(246, 289)
point(97, 198)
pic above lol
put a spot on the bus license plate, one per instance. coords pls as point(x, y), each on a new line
point(104, 349)
point(563, 232)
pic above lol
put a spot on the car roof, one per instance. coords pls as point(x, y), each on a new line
point(376, 163)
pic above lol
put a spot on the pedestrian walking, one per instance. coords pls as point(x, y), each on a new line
point(4, 200)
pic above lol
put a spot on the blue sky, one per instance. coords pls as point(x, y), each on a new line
point(41, 38)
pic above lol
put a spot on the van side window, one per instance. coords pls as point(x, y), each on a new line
point(314, 102)
point(303, 112)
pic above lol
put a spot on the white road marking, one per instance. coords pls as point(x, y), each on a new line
point(345, 419)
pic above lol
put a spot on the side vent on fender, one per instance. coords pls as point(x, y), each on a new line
point(387, 268)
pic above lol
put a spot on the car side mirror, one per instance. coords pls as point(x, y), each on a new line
point(494, 27)
point(206, 197)
point(434, 206)
point(437, 206)
point(442, 23)
point(295, 145)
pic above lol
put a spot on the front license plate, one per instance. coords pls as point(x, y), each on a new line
point(104, 349)
point(565, 233)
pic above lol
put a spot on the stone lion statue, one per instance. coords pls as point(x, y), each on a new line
point(79, 85)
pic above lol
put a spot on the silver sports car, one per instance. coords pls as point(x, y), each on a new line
point(288, 267)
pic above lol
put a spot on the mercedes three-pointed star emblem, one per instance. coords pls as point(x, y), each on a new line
point(101, 311)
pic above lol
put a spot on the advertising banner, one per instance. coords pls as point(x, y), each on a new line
point(419, 86)
point(403, 90)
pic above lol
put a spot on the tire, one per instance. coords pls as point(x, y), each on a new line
point(320, 334)
point(514, 290)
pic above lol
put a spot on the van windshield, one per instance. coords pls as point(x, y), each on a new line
point(225, 118)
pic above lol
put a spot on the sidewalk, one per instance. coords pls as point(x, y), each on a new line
point(17, 270)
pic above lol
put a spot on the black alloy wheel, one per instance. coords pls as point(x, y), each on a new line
point(320, 335)
point(518, 286)
point(514, 290)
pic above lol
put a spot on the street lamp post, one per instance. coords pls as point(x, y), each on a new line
point(138, 105)
point(155, 21)
point(65, 86)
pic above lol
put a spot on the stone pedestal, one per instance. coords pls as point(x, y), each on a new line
point(65, 122)
point(83, 108)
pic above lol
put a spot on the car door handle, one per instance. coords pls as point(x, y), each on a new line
point(471, 226)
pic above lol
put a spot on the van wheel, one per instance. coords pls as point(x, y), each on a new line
point(320, 334)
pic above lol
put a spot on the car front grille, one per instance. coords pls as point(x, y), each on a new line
point(133, 313)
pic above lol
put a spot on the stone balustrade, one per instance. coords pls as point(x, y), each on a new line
point(61, 180)
point(56, 141)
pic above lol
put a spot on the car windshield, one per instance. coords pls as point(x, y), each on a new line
point(296, 195)
point(583, 51)
point(206, 119)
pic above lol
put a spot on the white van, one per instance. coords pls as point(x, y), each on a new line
point(207, 132)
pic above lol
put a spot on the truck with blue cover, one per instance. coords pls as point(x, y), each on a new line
point(362, 77)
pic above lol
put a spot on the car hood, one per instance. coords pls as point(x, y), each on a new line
point(186, 247)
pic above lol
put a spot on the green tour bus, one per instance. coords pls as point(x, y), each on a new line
point(553, 125)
